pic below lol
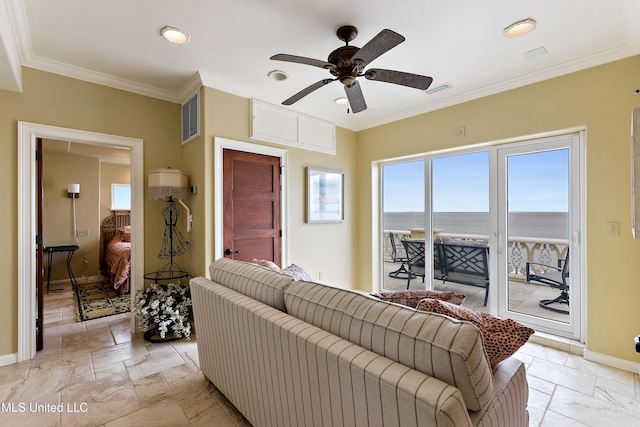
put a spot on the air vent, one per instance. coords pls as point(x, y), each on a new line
point(439, 88)
point(191, 119)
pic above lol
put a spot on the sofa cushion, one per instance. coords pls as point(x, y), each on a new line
point(433, 344)
point(412, 297)
point(501, 337)
point(252, 280)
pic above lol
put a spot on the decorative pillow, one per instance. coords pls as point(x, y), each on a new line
point(268, 264)
point(297, 273)
point(411, 298)
point(125, 233)
point(501, 337)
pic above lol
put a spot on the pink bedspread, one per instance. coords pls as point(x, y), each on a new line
point(118, 258)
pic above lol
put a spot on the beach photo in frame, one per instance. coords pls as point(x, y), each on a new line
point(325, 195)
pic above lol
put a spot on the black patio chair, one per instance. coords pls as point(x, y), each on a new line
point(415, 258)
point(398, 254)
point(556, 277)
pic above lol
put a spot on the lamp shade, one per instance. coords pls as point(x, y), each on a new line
point(168, 182)
point(73, 188)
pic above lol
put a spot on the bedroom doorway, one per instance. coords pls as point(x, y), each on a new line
point(28, 271)
point(79, 285)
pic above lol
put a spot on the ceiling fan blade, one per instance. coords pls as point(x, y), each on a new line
point(399, 77)
point(302, 60)
point(304, 92)
point(384, 41)
point(356, 98)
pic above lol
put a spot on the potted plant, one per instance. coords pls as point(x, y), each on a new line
point(163, 310)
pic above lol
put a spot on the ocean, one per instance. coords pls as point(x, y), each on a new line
point(548, 225)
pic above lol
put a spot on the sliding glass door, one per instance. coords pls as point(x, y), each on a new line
point(538, 233)
point(403, 217)
point(501, 225)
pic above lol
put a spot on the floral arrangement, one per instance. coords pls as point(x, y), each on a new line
point(166, 307)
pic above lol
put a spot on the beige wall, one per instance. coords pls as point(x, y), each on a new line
point(326, 248)
point(60, 101)
point(59, 170)
point(600, 99)
point(111, 173)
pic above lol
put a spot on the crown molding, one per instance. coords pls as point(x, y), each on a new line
point(622, 52)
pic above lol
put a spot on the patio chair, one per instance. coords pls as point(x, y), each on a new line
point(556, 277)
point(415, 258)
point(398, 254)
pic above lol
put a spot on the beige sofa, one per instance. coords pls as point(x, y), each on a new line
point(294, 353)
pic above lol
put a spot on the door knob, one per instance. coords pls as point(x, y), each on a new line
point(230, 251)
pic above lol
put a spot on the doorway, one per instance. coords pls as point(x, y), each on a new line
point(538, 230)
point(222, 144)
point(28, 133)
point(252, 227)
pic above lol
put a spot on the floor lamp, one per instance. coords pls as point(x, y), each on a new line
point(171, 185)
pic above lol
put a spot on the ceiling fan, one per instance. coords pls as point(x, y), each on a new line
point(348, 62)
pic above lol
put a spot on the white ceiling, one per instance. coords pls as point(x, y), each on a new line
point(117, 43)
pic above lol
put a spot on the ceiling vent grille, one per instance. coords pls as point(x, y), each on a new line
point(439, 88)
point(191, 119)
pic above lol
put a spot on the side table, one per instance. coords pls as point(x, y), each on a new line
point(70, 249)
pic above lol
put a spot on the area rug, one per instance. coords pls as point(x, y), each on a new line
point(99, 300)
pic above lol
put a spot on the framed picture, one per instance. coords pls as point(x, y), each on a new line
point(325, 195)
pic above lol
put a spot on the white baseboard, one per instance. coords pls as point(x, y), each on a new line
point(614, 362)
point(8, 359)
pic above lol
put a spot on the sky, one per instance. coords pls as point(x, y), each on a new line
point(537, 182)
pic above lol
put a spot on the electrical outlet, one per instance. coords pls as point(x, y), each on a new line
point(82, 233)
point(320, 275)
point(459, 132)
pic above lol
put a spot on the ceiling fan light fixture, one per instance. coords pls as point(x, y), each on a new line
point(175, 35)
point(341, 100)
point(520, 28)
point(278, 75)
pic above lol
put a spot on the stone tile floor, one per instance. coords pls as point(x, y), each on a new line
point(105, 376)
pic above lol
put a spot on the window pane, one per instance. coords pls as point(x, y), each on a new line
point(120, 197)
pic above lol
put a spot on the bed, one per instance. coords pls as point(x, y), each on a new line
point(116, 258)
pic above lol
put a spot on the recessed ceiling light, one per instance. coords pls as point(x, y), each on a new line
point(520, 28)
point(278, 75)
point(341, 101)
point(175, 35)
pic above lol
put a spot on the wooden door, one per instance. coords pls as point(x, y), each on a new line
point(251, 188)
point(39, 250)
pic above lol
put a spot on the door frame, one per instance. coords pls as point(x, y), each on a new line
point(223, 143)
point(27, 134)
point(574, 142)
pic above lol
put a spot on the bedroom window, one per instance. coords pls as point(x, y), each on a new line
point(120, 197)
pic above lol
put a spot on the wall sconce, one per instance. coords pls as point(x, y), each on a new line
point(73, 191)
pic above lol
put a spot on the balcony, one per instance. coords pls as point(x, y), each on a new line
point(523, 297)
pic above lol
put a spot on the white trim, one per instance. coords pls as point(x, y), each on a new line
point(614, 362)
point(8, 359)
point(27, 134)
point(219, 145)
